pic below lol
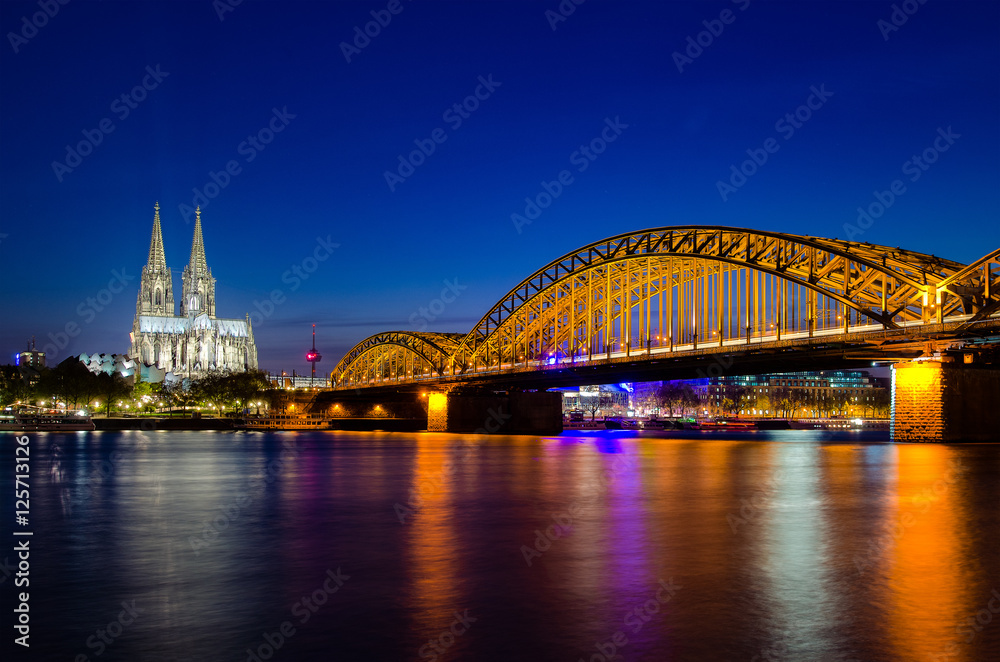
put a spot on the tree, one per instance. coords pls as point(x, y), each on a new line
point(13, 386)
point(882, 402)
point(246, 387)
point(744, 399)
point(69, 382)
point(591, 403)
point(179, 394)
point(839, 401)
point(781, 399)
point(689, 398)
point(801, 399)
point(111, 388)
point(214, 388)
point(729, 405)
point(674, 395)
point(142, 393)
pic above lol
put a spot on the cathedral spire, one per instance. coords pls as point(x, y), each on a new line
point(199, 286)
point(156, 292)
point(157, 259)
point(198, 263)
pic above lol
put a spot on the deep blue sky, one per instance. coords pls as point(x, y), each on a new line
point(323, 175)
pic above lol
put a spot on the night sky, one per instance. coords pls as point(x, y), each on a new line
point(185, 89)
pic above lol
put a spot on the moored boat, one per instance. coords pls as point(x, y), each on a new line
point(41, 422)
point(284, 422)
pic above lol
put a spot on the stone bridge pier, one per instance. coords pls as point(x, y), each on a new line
point(492, 413)
point(942, 400)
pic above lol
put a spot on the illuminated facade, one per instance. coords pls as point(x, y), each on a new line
point(31, 357)
point(807, 393)
point(196, 341)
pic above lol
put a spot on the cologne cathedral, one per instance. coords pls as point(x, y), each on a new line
point(195, 342)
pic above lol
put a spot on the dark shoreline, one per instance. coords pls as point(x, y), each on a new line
point(167, 423)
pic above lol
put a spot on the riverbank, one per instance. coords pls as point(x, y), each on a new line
point(166, 423)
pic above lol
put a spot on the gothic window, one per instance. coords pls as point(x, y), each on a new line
point(158, 298)
point(193, 303)
point(145, 354)
point(156, 351)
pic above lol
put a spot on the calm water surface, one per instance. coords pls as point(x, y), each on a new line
point(382, 546)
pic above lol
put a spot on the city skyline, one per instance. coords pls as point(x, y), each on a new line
point(421, 167)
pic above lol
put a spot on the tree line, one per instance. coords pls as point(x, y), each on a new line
point(73, 384)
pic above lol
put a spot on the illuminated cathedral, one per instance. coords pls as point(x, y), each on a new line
point(195, 342)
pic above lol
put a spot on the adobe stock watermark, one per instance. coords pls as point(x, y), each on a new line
point(581, 158)
point(122, 106)
point(563, 520)
point(786, 126)
point(914, 167)
point(223, 7)
point(440, 644)
point(563, 10)
point(30, 27)
point(303, 610)
point(755, 505)
point(714, 28)
point(87, 310)
point(100, 470)
point(901, 13)
point(721, 363)
point(635, 619)
point(241, 502)
point(424, 315)
point(431, 484)
point(105, 637)
point(971, 626)
point(249, 149)
point(362, 38)
point(293, 277)
point(893, 531)
point(455, 115)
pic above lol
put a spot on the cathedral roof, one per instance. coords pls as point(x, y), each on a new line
point(171, 324)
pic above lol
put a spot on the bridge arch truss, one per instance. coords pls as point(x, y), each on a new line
point(677, 288)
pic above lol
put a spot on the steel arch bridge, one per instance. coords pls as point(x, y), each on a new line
point(678, 289)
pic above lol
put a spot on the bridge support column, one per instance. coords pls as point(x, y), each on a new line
point(514, 413)
point(938, 401)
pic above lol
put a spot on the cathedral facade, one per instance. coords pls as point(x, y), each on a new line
point(195, 342)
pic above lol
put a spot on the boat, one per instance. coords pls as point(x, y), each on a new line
point(612, 423)
point(726, 425)
point(284, 422)
point(45, 422)
point(653, 423)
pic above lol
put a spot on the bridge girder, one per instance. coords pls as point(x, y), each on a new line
point(676, 284)
point(404, 350)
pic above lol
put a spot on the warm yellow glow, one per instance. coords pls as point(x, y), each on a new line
point(437, 403)
point(916, 375)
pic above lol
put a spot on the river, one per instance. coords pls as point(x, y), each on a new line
point(785, 545)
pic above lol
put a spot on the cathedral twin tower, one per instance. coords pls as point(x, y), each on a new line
point(195, 342)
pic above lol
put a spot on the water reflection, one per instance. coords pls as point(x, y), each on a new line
point(927, 571)
point(431, 536)
point(782, 546)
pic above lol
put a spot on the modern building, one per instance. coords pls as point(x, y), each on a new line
point(605, 399)
point(807, 393)
point(195, 342)
point(31, 357)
